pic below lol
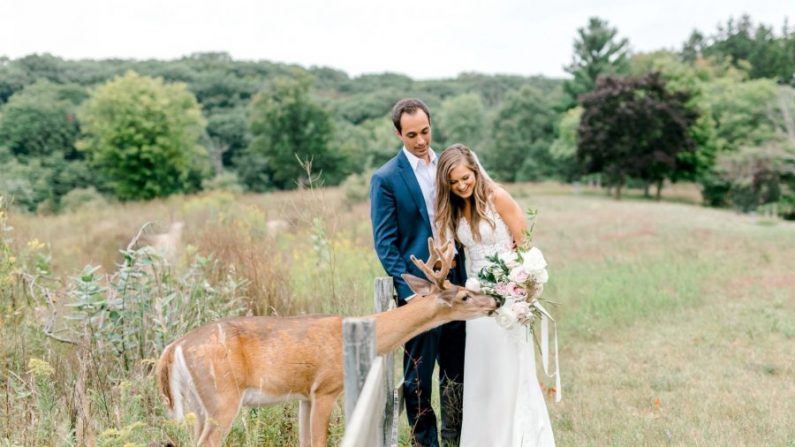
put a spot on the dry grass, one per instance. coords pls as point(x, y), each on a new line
point(677, 322)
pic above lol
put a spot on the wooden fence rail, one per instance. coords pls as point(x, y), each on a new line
point(371, 409)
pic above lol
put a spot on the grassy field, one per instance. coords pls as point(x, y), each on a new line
point(677, 322)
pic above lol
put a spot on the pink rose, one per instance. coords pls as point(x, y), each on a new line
point(519, 275)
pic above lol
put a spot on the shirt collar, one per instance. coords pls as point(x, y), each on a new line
point(415, 161)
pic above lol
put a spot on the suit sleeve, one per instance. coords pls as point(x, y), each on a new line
point(383, 215)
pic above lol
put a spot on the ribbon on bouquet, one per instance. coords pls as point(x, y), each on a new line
point(545, 318)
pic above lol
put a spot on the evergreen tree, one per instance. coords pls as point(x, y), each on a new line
point(597, 51)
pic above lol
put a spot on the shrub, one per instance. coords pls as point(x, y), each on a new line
point(757, 176)
point(26, 183)
point(356, 188)
point(226, 181)
point(136, 311)
point(82, 197)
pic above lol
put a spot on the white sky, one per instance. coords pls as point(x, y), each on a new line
point(421, 38)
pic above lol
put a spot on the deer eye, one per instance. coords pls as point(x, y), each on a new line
point(465, 297)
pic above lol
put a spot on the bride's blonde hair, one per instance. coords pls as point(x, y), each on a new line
point(449, 206)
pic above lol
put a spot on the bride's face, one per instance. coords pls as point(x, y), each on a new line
point(462, 181)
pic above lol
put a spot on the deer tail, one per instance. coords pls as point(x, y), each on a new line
point(164, 375)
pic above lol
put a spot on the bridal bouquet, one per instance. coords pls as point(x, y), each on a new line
point(515, 278)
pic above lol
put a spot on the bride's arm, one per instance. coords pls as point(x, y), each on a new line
point(511, 214)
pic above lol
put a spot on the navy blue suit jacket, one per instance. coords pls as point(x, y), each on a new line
point(401, 226)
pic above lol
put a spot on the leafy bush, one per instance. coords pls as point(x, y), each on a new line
point(135, 312)
point(26, 183)
point(226, 181)
point(756, 176)
point(82, 197)
point(356, 188)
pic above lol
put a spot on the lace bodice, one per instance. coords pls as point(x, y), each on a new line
point(492, 240)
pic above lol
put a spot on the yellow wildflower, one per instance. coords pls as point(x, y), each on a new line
point(40, 368)
point(35, 244)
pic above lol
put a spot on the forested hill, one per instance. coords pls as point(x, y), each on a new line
point(353, 109)
point(218, 81)
point(718, 112)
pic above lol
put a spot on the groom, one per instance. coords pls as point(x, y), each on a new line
point(402, 194)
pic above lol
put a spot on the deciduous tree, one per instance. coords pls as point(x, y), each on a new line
point(523, 132)
point(634, 127)
point(288, 125)
point(41, 119)
point(462, 119)
point(142, 134)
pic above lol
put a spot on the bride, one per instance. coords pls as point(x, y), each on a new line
point(503, 403)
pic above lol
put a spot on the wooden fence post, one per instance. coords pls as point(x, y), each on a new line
point(358, 335)
point(383, 301)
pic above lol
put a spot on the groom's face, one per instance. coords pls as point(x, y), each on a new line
point(416, 134)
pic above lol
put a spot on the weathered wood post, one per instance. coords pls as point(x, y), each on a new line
point(358, 335)
point(383, 301)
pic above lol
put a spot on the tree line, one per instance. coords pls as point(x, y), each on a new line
point(717, 112)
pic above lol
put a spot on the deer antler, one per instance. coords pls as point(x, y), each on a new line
point(443, 254)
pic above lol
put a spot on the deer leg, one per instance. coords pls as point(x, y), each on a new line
point(321, 413)
point(304, 414)
point(221, 412)
point(217, 427)
point(196, 409)
point(198, 426)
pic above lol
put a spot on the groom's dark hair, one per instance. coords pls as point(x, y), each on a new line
point(410, 106)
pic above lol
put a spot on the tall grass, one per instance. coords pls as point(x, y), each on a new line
point(82, 339)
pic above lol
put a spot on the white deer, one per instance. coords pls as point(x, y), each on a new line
point(256, 361)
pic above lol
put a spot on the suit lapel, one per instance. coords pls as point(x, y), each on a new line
point(413, 186)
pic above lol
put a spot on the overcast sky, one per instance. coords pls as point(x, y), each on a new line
point(424, 39)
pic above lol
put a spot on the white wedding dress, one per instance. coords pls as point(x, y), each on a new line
point(503, 403)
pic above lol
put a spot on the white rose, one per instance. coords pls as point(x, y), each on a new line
point(505, 317)
point(521, 309)
point(473, 285)
point(535, 265)
point(509, 259)
point(540, 276)
point(533, 260)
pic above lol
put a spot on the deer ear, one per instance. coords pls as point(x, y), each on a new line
point(447, 296)
point(417, 285)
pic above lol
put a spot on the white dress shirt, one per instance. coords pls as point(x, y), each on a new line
point(426, 177)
